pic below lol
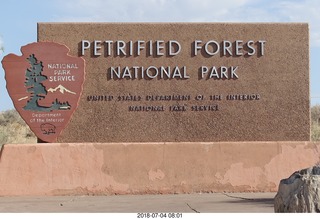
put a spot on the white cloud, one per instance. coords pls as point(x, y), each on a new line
point(194, 11)
point(304, 11)
point(147, 10)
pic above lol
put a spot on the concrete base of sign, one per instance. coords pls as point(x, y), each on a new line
point(150, 168)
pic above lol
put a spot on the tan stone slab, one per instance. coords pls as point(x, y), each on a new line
point(150, 168)
point(275, 77)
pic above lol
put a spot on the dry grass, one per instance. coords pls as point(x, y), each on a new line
point(14, 130)
point(315, 123)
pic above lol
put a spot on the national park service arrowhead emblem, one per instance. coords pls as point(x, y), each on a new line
point(45, 85)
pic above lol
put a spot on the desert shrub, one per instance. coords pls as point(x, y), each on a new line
point(315, 132)
point(10, 117)
point(315, 114)
point(13, 129)
point(3, 138)
point(315, 123)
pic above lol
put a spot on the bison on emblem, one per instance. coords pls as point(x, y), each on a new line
point(48, 128)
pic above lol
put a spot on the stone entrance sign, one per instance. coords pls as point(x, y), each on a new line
point(189, 82)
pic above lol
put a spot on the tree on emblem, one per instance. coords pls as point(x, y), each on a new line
point(34, 79)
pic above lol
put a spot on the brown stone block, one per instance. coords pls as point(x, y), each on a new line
point(254, 88)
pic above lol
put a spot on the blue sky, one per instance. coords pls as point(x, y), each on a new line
point(19, 21)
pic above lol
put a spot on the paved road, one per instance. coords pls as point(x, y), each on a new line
point(185, 203)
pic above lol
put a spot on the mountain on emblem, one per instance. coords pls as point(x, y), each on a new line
point(61, 89)
point(40, 92)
